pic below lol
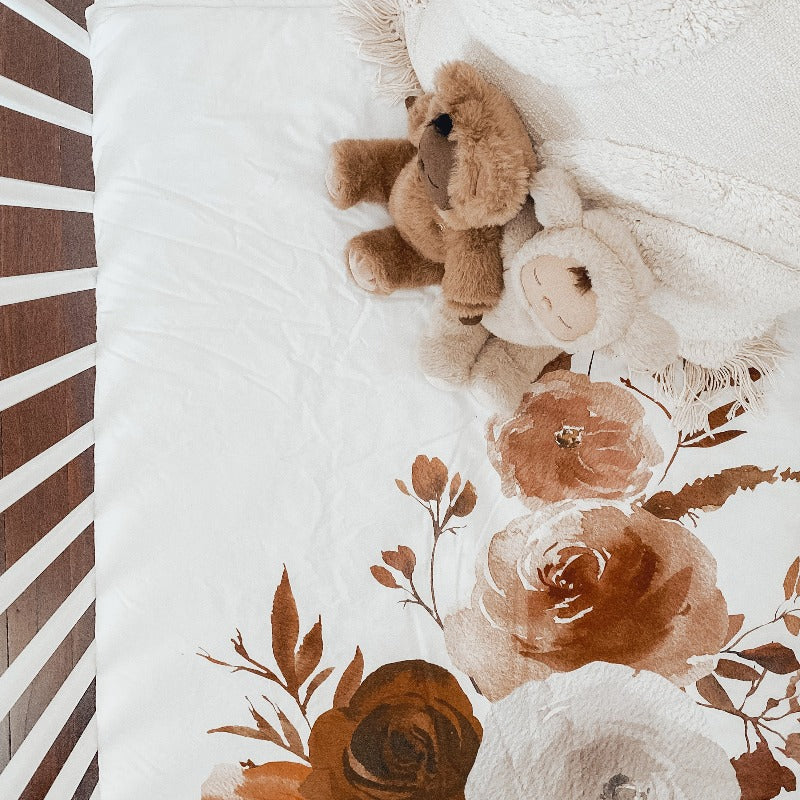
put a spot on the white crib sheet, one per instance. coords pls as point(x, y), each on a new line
point(253, 407)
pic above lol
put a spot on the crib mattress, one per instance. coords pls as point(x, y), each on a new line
point(254, 409)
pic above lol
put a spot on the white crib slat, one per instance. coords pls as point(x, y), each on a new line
point(19, 482)
point(23, 288)
point(25, 667)
point(75, 766)
point(23, 572)
point(53, 21)
point(31, 752)
point(28, 194)
point(26, 384)
point(28, 101)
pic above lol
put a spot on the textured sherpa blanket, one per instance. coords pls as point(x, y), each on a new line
point(682, 116)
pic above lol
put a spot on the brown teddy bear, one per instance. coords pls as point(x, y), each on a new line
point(463, 172)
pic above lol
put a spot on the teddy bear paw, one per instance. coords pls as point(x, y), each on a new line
point(363, 270)
point(333, 181)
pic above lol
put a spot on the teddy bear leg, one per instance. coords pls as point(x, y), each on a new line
point(365, 169)
point(503, 372)
point(448, 349)
point(382, 261)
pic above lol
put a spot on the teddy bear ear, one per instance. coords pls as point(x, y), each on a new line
point(650, 343)
point(558, 204)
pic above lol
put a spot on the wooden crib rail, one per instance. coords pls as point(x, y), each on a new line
point(45, 754)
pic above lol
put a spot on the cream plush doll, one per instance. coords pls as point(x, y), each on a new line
point(573, 281)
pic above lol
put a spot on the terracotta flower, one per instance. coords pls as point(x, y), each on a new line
point(407, 734)
point(602, 732)
point(574, 439)
point(275, 781)
point(582, 582)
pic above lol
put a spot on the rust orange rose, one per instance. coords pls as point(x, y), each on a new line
point(581, 582)
point(279, 780)
point(407, 734)
point(574, 439)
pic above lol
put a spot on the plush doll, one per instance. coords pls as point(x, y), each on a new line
point(573, 280)
point(462, 173)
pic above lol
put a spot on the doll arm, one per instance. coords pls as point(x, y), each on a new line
point(473, 270)
point(365, 169)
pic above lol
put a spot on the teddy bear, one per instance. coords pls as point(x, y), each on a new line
point(462, 173)
point(573, 281)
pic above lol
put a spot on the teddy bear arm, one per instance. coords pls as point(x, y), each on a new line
point(366, 169)
point(473, 270)
point(382, 261)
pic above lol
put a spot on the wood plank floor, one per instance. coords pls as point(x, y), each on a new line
point(30, 334)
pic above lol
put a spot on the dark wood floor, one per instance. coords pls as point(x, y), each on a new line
point(30, 334)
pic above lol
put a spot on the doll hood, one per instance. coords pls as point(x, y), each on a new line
point(600, 242)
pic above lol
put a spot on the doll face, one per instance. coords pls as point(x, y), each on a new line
point(559, 296)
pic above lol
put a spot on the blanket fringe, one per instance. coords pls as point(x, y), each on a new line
point(694, 391)
point(377, 29)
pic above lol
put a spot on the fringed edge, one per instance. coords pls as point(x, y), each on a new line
point(694, 391)
point(377, 29)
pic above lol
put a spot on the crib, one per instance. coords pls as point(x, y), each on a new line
point(255, 305)
point(48, 742)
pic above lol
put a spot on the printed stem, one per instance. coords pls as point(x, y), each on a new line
point(782, 716)
point(433, 586)
point(777, 618)
point(416, 599)
point(754, 686)
point(772, 730)
point(672, 459)
point(627, 382)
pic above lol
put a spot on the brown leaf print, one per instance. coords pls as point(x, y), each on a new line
point(562, 362)
point(774, 657)
point(401, 485)
point(384, 577)
point(791, 583)
point(714, 439)
point(722, 415)
point(455, 485)
point(285, 630)
point(792, 623)
point(464, 504)
point(572, 439)
point(760, 776)
point(309, 654)
point(711, 493)
point(293, 740)
point(568, 586)
point(350, 680)
point(792, 748)
point(402, 559)
point(735, 622)
point(429, 478)
point(314, 684)
point(264, 725)
point(249, 733)
point(735, 670)
point(407, 732)
point(710, 689)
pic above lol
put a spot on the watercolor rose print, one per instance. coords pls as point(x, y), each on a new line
point(595, 628)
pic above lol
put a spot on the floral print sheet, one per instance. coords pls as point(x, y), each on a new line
point(594, 655)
